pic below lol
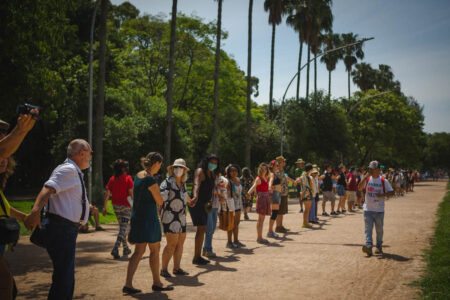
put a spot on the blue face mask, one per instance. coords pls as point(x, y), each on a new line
point(212, 166)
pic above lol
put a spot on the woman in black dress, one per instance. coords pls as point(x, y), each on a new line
point(204, 182)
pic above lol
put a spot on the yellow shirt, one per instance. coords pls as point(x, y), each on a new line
point(5, 202)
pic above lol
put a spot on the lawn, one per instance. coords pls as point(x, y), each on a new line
point(26, 206)
point(435, 284)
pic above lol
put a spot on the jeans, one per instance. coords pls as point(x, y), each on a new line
point(374, 218)
point(312, 213)
point(62, 238)
point(210, 228)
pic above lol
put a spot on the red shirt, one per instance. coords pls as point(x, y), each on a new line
point(119, 186)
point(353, 185)
point(263, 187)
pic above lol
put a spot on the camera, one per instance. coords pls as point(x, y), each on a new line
point(26, 109)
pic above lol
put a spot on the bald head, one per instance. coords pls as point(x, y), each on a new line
point(76, 146)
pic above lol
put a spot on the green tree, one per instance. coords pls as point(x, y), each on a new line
point(364, 76)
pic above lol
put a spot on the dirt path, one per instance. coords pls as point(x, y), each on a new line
point(326, 263)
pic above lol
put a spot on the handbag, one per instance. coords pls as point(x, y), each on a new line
point(9, 227)
point(226, 219)
point(39, 236)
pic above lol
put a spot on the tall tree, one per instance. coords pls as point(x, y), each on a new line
point(169, 93)
point(364, 76)
point(276, 10)
point(352, 54)
point(216, 78)
point(297, 16)
point(100, 107)
point(248, 115)
point(331, 41)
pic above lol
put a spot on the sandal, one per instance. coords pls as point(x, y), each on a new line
point(165, 274)
point(158, 288)
point(130, 290)
point(181, 272)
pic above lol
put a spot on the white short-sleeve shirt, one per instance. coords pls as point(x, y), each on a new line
point(67, 201)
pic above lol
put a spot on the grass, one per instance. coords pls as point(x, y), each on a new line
point(435, 284)
point(26, 206)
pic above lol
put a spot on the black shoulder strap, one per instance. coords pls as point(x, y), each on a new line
point(4, 207)
point(83, 198)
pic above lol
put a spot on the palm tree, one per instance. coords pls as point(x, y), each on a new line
point(169, 95)
point(351, 54)
point(297, 15)
point(331, 41)
point(276, 10)
point(364, 76)
point(321, 21)
point(100, 107)
point(216, 78)
point(249, 86)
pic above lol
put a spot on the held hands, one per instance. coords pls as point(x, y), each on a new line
point(192, 202)
point(32, 220)
point(104, 211)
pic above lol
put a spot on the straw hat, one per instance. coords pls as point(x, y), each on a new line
point(300, 161)
point(314, 170)
point(280, 158)
point(179, 162)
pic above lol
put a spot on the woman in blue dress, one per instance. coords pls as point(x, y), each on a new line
point(145, 226)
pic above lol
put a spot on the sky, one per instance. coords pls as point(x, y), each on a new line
point(411, 36)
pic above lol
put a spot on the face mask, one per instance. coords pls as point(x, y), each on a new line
point(212, 166)
point(178, 172)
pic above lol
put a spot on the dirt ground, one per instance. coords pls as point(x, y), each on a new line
point(325, 263)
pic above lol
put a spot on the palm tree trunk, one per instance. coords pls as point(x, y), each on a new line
point(216, 79)
point(298, 70)
point(248, 139)
point(348, 84)
point(329, 84)
point(307, 73)
point(315, 73)
point(100, 108)
point(272, 62)
point(173, 27)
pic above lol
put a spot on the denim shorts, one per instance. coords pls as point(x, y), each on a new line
point(276, 197)
point(340, 190)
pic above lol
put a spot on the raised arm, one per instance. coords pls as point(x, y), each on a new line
point(10, 143)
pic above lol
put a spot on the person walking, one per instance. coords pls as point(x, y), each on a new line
point(120, 189)
point(201, 207)
point(352, 187)
point(298, 172)
point(377, 189)
point(261, 186)
point(307, 194)
point(64, 194)
point(315, 198)
point(284, 179)
point(341, 189)
point(173, 216)
point(145, 229)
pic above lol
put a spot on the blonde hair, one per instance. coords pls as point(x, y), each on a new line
point(8, 172)
point(261, 170)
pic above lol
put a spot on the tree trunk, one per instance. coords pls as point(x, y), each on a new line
point(100, 108)
point(349, 84)
point(307, 73)
point(329, 84)
point(272, 62)
point(298, 70)
point(315, 74)
point(248, 140)
point(169, 94)
point(216, 79)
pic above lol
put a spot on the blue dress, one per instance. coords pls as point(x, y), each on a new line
point(145, 225)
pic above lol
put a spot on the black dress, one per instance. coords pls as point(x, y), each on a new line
point(198, 212)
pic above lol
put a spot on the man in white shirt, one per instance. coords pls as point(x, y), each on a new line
point(377, 189)
point(67, 207)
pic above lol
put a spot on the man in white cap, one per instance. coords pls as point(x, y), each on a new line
point(377, 189)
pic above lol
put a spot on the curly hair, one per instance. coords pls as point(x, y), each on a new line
point(8, 172)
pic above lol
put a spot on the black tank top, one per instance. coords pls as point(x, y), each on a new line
point(276, 180)
point(205, 190)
